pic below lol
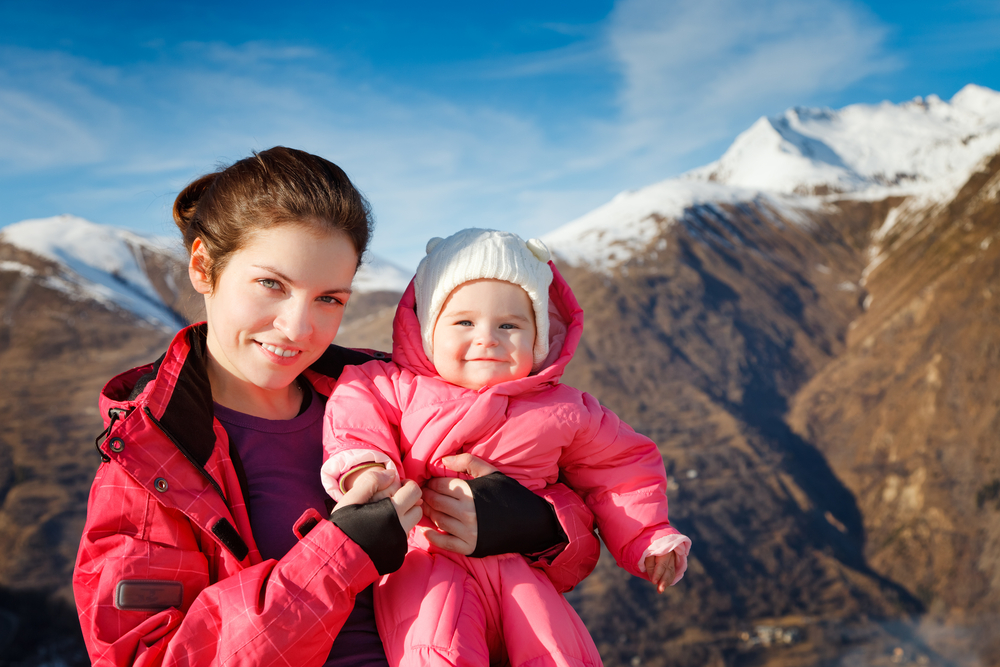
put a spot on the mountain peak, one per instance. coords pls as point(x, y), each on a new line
point(910, 148)
point(924, 149)
point(779, 154)
point(978, 100)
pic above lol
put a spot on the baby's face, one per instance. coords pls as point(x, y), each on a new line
point(485, 334)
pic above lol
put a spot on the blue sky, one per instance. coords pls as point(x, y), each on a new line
point(516, 115)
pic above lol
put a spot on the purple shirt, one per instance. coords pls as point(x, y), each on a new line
point(282, 460)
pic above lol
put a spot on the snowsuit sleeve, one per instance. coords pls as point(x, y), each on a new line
point(361, 423)
point(271, 613)
point(620, 473)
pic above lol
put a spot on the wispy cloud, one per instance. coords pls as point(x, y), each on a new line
point(686, 75)
point(695, 72)
point(35, 134)
point(49, 117)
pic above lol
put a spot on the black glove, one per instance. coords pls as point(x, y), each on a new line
point(375, 528)
point(511, 518)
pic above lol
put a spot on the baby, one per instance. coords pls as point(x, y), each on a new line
point(480, 340)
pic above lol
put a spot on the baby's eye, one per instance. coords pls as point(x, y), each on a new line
point(464, 323)
point(508, 326)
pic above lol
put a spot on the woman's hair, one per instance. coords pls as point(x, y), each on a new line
point(274, 187)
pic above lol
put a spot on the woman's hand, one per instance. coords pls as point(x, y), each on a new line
point(449, 505)
point(374, 484)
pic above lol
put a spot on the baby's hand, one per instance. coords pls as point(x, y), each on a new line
point(661, 570)
point(374, 483)
point(353, 476)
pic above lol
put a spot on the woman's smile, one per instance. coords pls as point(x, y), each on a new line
point(283, 352)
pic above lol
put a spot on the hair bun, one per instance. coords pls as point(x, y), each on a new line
point(186, 204)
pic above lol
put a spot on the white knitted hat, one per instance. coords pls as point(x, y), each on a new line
point(472, 254)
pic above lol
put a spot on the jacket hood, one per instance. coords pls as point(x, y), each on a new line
point(565, 329)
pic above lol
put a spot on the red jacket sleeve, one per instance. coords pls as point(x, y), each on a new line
point(568, 564)
point(273, 612)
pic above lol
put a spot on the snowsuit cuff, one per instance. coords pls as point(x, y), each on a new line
point(681, 544)
point(347, 461)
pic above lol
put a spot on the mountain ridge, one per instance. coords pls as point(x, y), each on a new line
point(922, 151)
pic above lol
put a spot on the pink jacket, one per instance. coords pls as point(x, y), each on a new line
point(168, 572)
point(535, 430)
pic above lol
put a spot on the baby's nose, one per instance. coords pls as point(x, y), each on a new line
point(487, 337)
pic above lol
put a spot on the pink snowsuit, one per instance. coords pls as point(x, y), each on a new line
point(402, 414)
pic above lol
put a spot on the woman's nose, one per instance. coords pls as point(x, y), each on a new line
point(294, 321)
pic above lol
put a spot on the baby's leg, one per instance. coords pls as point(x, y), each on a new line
point(430, 612)
point(538, 627)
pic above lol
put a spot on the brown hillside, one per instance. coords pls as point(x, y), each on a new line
point(55, 355)
point(908, 415)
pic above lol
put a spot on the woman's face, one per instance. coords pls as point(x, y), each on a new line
point(275, 308)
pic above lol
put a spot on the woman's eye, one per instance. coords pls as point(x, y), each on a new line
point(268, 283)
point(331, 299)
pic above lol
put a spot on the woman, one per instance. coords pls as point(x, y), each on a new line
point(206, 540)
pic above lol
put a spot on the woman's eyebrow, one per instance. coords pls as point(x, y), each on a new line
point(271, 269)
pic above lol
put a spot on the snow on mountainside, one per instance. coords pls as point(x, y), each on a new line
point(629, 223)
point(924, 149)
point(106, 264)
point(378, 275)
point(97, 262)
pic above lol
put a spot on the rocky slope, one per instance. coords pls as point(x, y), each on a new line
point(58, 345)
point(907, 415)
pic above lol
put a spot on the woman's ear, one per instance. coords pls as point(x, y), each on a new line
point(198, 268)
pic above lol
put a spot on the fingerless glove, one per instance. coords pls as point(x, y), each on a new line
point(375, 528)
point(512, 519)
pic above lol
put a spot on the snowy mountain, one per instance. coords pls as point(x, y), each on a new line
point(121, 269)
point(924, 150)
point(97, 263)
point(379, 275)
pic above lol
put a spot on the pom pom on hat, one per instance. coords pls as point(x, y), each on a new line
point(474, 254)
